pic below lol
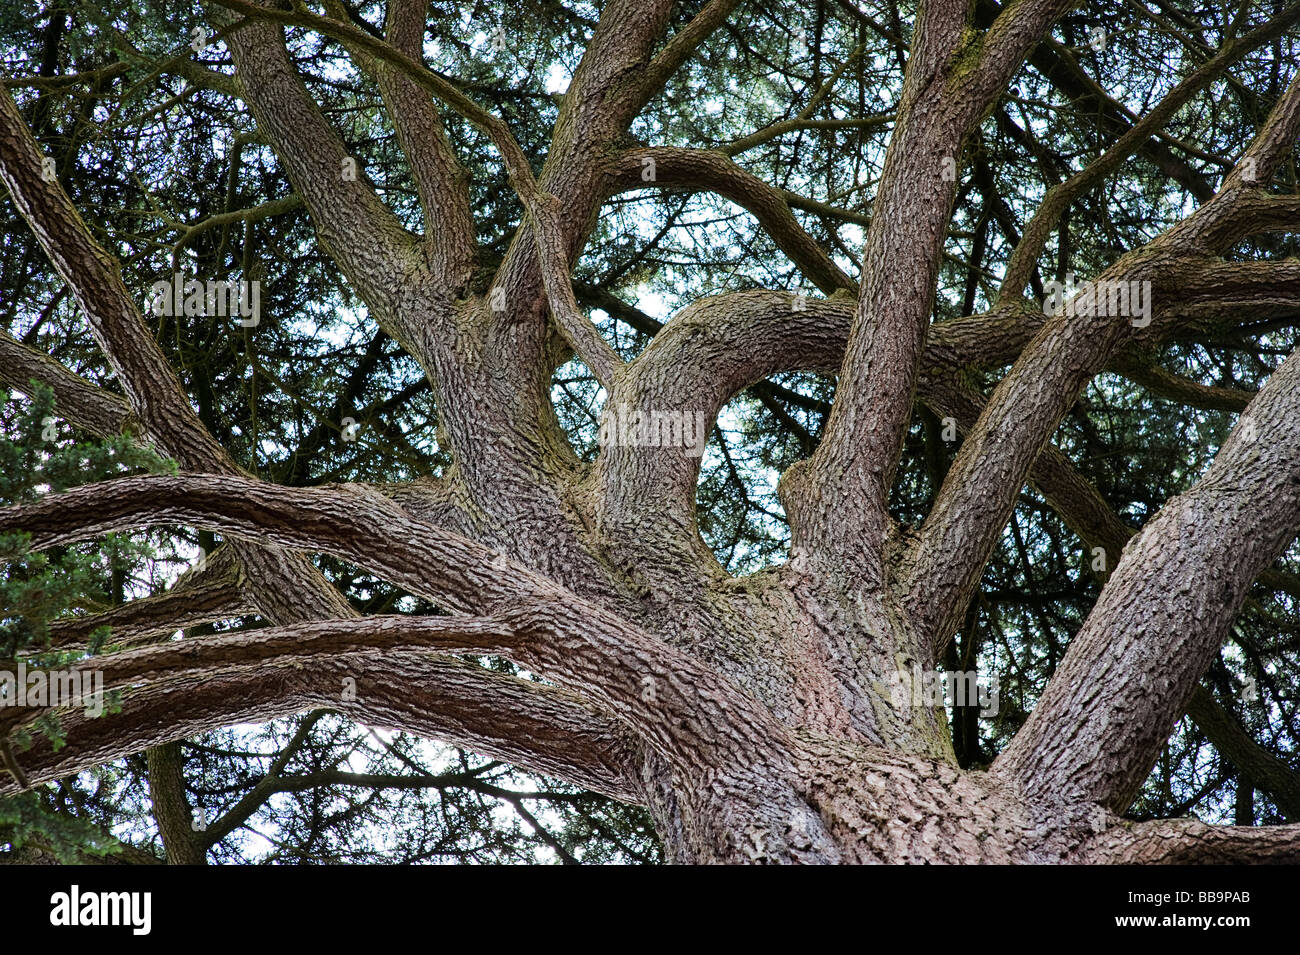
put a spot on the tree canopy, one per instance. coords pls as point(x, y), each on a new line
point(694, 211)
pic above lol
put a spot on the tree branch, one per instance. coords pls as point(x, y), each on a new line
point(80, 402)
point(359, 232)
point(171, 806)
point(701, 169)
point(838, 501)
point(567, 638)
point(533, 726)
point(1191, 842)
point(199, 596)
point(981, 487)
point(442, 182)
point(1166, 609)
point(675, 389)
point(150, 386)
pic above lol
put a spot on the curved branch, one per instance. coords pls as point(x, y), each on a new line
point(693, 715)
point(246, 650)
point(257, 213)
point(1166, 609)
point(673, 392)
point(352, 522)
point(84, 404)
point(534, 726)
point(200, 596)
point(716, 172)
point(1165, 384)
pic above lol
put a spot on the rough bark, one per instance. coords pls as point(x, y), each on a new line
point(752, 716)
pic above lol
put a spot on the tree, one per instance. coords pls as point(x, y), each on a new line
point(541, 564)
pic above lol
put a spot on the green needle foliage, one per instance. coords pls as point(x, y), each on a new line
point(146, 151)
point(39, 455)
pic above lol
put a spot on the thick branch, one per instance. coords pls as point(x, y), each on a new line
point(442, 182)
point(1166, 609)
point(83, 404)
point(171, 806)
point(981, 487)
point(674, 390)
point(94, 278)
point(151, 387)
point(701, 169)
point(1088, 515)
point(360, 233)
point(200, 596)
point(533, 726)
point(568, 639)
point(838, 503)
point(1190, 842)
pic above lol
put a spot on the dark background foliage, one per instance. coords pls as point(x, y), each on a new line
point(151, 146)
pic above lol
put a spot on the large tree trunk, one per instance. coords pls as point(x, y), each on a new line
point(756, 718)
